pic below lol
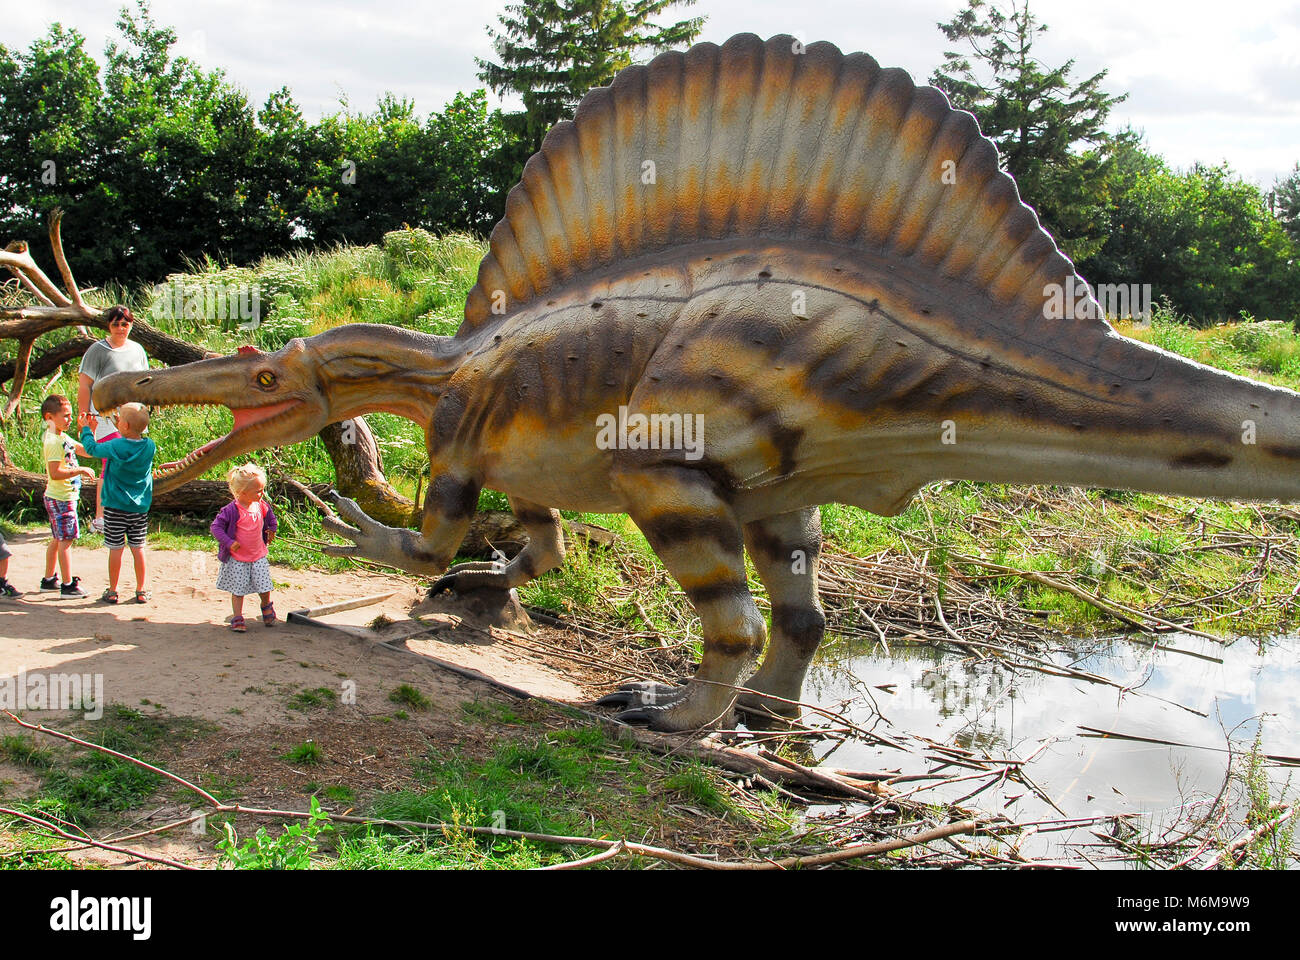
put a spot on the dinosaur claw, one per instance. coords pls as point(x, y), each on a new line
point(340, 529)
point(442, 584)
point(619, 698)
point(636, 716)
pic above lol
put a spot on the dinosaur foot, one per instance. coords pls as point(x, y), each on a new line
point(764, 713)
point(466, 577)
point(694, 706)
point(481, 607)
point(761, 712)
point(645, 694)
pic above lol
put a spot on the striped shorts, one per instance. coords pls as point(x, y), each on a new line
point(121, 528)
point(63, 518)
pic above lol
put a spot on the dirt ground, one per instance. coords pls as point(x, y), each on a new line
point(176, 655)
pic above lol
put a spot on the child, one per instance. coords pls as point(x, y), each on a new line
point(244, 528)
point(127, 493)
point(62, 491)
point(7, 589)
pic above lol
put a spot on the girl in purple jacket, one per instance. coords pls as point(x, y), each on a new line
point(244, 528)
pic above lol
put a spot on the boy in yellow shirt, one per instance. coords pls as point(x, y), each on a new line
point(62, 492)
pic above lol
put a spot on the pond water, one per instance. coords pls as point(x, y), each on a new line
point(1002, 714)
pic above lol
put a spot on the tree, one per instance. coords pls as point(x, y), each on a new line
point(554, 51)
point(1201, 237)
point(1286, 203)
point(1049, 130)
point(367, 174)
point(50, 108)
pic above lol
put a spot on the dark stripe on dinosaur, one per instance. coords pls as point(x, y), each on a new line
point(453, 498)
point(735, 393)
point(716, 592)
point(1288, 453)
point(776, 548)
point(533, 518)
point(1201, 458)
point(732, 646)
point(673, 529)
point(801, 624)
point(447, 416)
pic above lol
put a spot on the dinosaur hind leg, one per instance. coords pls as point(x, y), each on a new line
point(785, 552)
point(544, 551)
point(699, 540)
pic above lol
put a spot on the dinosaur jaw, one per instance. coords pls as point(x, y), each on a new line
point(254, 427)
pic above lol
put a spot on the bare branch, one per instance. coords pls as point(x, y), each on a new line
point(56, 241)
point(21, 363)
point(20, 263)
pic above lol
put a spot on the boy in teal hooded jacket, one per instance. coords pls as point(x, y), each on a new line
point(127, 493)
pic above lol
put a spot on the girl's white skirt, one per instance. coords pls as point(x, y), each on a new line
point(242, 577)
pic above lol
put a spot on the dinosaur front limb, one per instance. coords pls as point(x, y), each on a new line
point(448, 508)
point(544, 551)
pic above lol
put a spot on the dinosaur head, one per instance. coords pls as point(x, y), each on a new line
point(290, 395)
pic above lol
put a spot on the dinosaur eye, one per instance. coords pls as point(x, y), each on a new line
point(266, 379)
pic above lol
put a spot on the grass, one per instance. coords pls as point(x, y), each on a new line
point(313, 699)
point(308, 753)
point(572, 781)
point(82, 786)
point(22, 751)
point(410, 696)
point(1275, 849)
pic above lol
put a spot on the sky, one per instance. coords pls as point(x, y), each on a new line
point(1207, 81)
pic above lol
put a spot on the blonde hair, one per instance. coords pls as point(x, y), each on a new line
point(240, 478)
point(134, 416)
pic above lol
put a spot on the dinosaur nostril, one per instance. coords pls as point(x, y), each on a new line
point(141, 382)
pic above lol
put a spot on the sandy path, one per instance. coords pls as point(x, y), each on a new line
point(177, 651)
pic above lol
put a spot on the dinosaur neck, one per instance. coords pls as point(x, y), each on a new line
point(368, 368)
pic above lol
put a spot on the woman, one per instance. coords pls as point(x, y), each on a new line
point(114, 354)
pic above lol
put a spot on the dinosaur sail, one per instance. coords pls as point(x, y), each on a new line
point(775, 141)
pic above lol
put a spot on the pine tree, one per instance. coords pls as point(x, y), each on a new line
point(1037, 116)
point(1285, 198)
point(552, 52)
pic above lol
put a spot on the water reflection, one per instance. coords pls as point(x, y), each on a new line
point(986, 707)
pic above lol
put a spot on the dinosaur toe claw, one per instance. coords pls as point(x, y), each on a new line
point(442, 584)
point(619, 698)
point(637, 716)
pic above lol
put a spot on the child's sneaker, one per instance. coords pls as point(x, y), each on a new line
point(72, 589)
point(8, 590)
point(49, 583)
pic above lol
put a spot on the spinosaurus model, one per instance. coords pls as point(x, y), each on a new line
point(762, 236)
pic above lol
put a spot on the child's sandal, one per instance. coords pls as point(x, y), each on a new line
point(237, 624)
point(143, 596)
point(268, 614)
point(108, 596)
